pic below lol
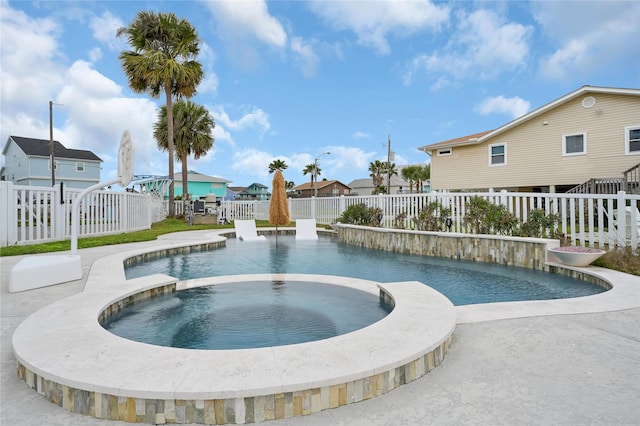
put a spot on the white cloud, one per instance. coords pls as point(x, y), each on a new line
point(361, 135)
point(209, 84)
point(347, 159)
point(305, 56)
point(374, 21)
point(252, 162)
point(95, 54)
point(104, 29)
point(97, 113)
point(28, 44)
point(514, 107)
point(599, 39)
point(249, 18)
point(220, 134)
point(483, 46)
point(256, 119)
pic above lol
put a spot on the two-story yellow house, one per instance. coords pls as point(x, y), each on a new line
point(593, 132)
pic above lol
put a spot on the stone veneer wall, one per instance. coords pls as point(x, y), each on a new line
point(171, 252)
point(118, 306)
point(231, 410)
point(511, 251)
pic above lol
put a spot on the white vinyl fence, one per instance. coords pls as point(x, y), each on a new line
point(32, 215)
point(606, 221)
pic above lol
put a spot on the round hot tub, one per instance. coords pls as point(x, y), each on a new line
point(250, 314)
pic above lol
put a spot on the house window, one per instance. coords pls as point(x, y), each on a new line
point(498, 154)
point(444, 151)
point(632, 140)
point(574, 144)
point(79, 166)
point(55, 164)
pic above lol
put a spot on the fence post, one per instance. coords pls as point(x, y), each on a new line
point(622, 218)
point(8, 218)
point(341, 205)
point(503, 197)
point(124, 214)
point(58, 231)
point(313, 208)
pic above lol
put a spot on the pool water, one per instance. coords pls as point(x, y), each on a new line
point(463, 282)
point(248, 315)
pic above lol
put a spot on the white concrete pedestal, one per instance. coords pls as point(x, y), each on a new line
point(41, 271)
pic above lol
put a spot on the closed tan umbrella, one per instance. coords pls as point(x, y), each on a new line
point(278, 208)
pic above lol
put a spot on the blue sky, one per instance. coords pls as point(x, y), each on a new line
point(292, 80)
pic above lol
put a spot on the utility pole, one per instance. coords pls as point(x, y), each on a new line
point(51, 147)
point(52, 153)
point(315, 173)
point(389, 164)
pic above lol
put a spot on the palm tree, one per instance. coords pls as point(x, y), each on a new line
point(289, 185)
point(410, 174)
point(277, 165)
point(377, 169)
point(193, 127)
point(389, 170)
point(162, 61)
point(424, 174)
point(312, 169)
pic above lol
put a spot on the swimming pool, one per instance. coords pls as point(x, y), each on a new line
point(463, 282)
point(248, 315)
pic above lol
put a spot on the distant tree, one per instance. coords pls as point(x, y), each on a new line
point(423, 175)
point(311, 169)
point(410, 174)
point(377, 169)
point(162, 61)
point(390, 170)
point(277, 165)
point(193, 127)
point(289, 185)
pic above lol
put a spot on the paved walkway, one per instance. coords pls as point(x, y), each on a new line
point(577, 369)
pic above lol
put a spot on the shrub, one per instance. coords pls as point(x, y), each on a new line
point(538, 223)
point(360, 214)
point(399, 220)
point(485, 217)
point(432, 217)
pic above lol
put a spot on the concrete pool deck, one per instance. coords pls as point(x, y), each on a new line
point(562, 369)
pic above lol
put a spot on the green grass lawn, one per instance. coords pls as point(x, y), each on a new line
point(621, 260)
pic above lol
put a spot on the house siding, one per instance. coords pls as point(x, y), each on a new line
point(534, 150)
point(33, 170)
point(16, 164)
point(201, 189)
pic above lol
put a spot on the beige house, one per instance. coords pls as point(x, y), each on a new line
point(593, 132)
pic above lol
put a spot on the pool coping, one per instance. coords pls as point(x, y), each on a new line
point(82, 346)
point(65, 355)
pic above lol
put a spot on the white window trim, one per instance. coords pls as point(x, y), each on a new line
point(627, 140)
point(80, 163)
point(56, 165)
point(491, 164)
point(444, 152)
point(564, 144)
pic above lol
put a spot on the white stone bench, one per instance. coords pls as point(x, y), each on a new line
point(42, 271)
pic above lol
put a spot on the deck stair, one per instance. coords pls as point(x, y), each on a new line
point(629, 182)
point(632, 179)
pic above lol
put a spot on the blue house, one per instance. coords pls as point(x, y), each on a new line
point(28, 162)
point(255, 191)
point(199, 185)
